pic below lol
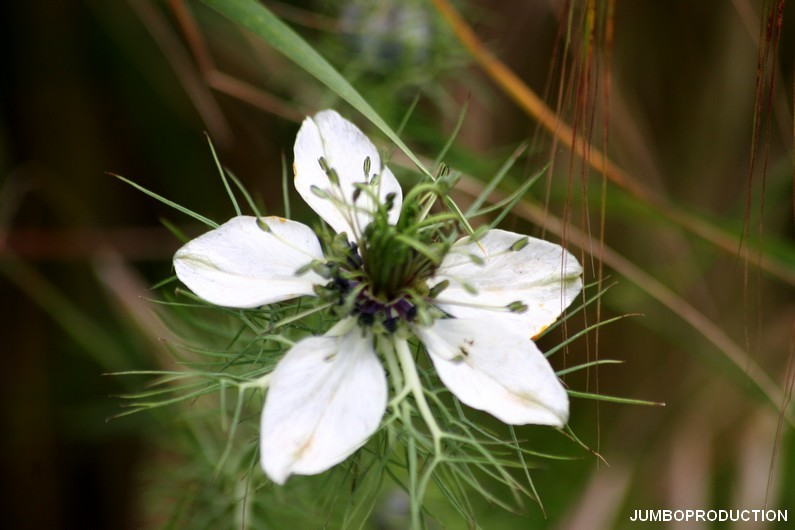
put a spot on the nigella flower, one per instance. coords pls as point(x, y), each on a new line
point(390, 274)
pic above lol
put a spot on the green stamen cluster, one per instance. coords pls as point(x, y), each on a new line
point(382, 279)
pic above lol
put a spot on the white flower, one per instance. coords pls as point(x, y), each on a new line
point(474, 309)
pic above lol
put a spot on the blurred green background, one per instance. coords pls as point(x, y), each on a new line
point(129, 87)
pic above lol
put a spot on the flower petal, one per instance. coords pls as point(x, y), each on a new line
point(490, 366)
point(241, 264)
point(541, 275)
point(344, 148)
point(326, 398)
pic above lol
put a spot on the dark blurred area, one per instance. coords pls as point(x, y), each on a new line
point(85, 92)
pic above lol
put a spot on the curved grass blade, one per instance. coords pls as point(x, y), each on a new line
point(258, 19)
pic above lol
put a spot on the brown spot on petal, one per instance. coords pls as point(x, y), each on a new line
point(540, 332)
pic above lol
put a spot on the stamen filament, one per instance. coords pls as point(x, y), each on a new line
point(502, 308)
point(422, 248)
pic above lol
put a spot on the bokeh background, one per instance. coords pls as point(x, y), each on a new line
point(692, 227)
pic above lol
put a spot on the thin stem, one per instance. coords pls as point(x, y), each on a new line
point(297, 316)
point(401, 391)
point(412, 381)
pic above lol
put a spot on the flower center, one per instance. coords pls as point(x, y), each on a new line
point(382, 277)
point(391, 264)
point(356, 299)
point(382, 280)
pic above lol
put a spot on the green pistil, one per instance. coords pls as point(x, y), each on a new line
point(386, 261)
point(384, 283)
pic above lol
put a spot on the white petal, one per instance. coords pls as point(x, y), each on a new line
point(542, 275)
point(326, 398)
point(344, 147)
point(491, 367)
point(240, 264)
